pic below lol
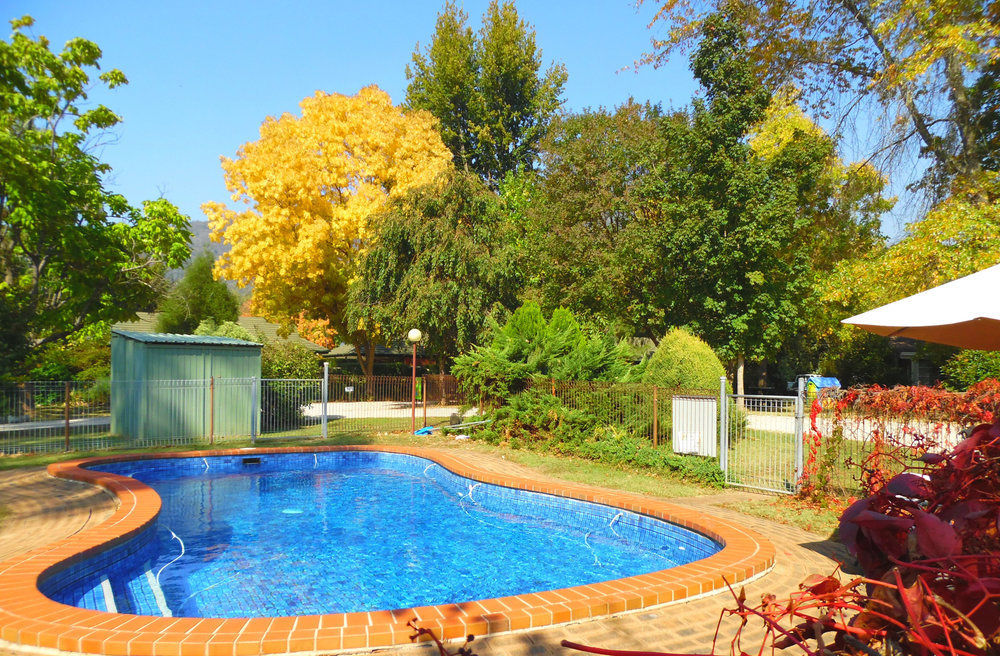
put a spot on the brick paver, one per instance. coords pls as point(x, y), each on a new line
point(42, 509)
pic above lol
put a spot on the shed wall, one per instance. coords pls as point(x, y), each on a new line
point(166, 390)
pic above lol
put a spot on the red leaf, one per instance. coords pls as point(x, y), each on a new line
point(935, 538)
point(911, 486)
point(820, 585)
point(872, 519)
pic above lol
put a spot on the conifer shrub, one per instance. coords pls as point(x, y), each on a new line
point(684, 361)
point(527, 347)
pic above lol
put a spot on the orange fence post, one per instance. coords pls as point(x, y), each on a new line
point(66, 414)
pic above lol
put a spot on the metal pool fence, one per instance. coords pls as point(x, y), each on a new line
point(47, 416)
point(767, 443)
point(54, 416)
point(644, 411)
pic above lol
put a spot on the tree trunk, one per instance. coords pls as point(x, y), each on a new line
point(366, 360)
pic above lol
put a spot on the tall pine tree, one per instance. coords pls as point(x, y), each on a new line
point(486, 90)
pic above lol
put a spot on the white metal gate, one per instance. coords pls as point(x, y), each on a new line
point(761, 441)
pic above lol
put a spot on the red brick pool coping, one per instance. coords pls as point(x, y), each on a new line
point(30, 619)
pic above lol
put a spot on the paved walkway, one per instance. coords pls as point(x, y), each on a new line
point(42, 509)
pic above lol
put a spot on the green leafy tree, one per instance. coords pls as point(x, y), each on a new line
point(732, 250)
point(487, 92)
point(71, 253)
point(591, 191)
point(919, 59)
point(986, 96)
point(197, 297)
point(441, 263)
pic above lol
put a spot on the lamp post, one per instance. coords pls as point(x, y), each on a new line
point(414, 336)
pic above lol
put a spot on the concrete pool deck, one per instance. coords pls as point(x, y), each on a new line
point(42, 509)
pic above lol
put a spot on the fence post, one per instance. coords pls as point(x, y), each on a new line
point(423, 396)
point(325, 393)
point(723, 428)
point(552, 382)
point(656, 418)
point(66, 414)
point(211, 410)
point(254, 409)
point(799, 425)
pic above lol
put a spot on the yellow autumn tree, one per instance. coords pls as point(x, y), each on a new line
point(959, 236)
point(302, 194)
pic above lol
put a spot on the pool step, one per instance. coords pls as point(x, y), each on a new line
point(109, 595)
point(161, 600)
point(140, 594)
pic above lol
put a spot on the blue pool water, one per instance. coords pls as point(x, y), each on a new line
point(296, 534)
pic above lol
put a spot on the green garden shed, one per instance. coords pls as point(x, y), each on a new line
point(183, 387)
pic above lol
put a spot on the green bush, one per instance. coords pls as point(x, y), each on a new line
point(83, 356)
point(684, 361)
point(280, 359)
point(229, 329)
point(622, 448)
point(966, 368)
point(527, 346)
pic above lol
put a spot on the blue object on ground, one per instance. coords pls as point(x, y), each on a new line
point(426, 430)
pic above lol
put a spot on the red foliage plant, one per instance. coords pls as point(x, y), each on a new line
point(928, 543)
point(895, 424)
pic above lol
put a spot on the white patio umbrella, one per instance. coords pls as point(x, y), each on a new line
point(963, 313)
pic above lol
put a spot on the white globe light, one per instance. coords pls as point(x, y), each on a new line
point(414, 335)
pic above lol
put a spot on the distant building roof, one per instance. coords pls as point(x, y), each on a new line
point(397, 350)
point(254, 325)
point(171, 338)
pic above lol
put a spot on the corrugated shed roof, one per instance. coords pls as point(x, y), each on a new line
point(146, 323)
point(170, 338)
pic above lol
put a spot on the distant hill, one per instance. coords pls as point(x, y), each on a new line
point(201, 241)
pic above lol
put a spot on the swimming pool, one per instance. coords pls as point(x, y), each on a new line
point(302, 534)
point(29, 618)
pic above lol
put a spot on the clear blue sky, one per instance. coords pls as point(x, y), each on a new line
point(204, 75)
